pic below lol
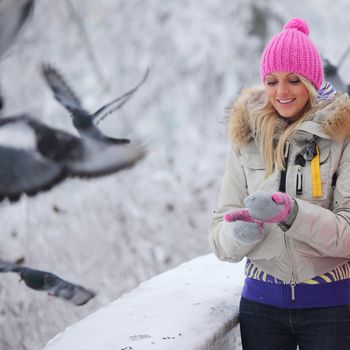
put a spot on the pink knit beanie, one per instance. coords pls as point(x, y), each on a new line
point(292, 51)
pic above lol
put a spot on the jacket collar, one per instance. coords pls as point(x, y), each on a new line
point(331, 120)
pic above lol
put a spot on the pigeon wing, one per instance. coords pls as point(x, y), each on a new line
point(61, 90)
point(113, 140)
point(71, 292)
point(118, 103)
point(25, 171)
point(103, 159)
point(6, 266)
point(13, 15)
point(57, 145)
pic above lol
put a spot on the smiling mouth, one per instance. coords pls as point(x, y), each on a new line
point(286, 101)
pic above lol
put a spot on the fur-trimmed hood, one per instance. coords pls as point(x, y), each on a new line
point(332, 117)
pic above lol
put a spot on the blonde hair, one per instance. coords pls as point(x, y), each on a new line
point(265, 128)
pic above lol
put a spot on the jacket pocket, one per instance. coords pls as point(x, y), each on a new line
point(254, 169)
point(252, 161)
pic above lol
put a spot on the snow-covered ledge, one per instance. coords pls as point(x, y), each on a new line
point(194, 306)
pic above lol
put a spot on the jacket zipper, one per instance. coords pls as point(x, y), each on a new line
point(299, 186)
point(282, 188)
point(286, 151)
point(293, 283)
point(300, 163)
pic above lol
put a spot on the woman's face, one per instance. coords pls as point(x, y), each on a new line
point(287, 93)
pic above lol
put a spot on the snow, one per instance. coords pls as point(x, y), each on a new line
point(189, 307)
point(109, 234)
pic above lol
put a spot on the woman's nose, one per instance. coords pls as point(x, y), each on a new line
point(282, 89)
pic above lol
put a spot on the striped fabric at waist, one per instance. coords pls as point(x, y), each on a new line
point(340, 273)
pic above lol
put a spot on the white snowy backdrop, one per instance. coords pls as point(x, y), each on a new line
point(109, 234)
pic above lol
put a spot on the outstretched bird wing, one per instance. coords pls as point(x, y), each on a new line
point(24, 171)
point(71, 292)
point(61, 90)
point(13, 15)
point(50, 283)
point(103, 159)
point(119, 102)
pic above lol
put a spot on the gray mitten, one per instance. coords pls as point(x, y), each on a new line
point(245, 228)
point(271, 208)
point(247, 232)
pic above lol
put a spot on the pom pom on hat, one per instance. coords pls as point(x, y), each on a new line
point(292, 51)
point(297, 23)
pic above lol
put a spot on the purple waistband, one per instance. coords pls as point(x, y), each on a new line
point(306, 295)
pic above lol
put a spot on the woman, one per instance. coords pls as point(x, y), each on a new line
point(285, 201)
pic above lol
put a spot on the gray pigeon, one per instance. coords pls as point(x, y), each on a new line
point(13, 15)
point(50, 283)
point(56, 155)
point(84, 121)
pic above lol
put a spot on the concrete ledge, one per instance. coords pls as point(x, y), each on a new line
point(194, 306)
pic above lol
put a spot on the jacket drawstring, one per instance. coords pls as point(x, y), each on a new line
point(316, 175)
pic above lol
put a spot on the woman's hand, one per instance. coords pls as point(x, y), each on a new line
point(245, 228)
point(261, 208)
point(270, 208)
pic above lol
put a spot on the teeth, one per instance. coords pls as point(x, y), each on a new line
point(285, 101)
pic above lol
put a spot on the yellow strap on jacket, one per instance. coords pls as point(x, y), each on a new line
point(316, 175)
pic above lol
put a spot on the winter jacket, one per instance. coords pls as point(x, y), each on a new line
point(319, 239)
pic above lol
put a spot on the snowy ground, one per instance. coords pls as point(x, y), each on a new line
point(111, 233)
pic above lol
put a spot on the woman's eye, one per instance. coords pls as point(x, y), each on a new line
point(270, 83)
point(294, 81)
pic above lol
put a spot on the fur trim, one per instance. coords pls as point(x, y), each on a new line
point(240, 125)
point(334, 116)
point(337, 125)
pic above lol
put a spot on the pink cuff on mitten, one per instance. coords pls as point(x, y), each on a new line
point(286, 206)
point(241, 214)
point(238, 214)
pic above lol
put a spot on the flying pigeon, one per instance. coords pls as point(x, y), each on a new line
point(50, 283)
point(13, 15)
point(83, 121)
point(55, 156)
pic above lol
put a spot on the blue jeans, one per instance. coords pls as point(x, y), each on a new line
point(265, 327)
